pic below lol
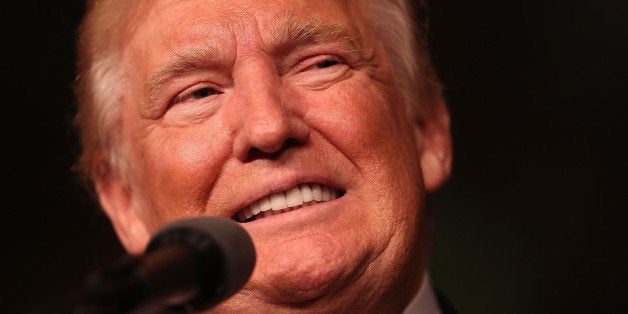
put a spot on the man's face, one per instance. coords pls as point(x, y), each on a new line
point(234, 104)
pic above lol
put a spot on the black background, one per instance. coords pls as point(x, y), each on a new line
point(531, 221)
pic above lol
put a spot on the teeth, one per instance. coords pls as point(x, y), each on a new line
point(247, 212)
point(293, 197)
point(255, 209)
point(325, 193)
point(278, 201)
point(264, 204)
point(306, 193)
point(283, 202)
point(316, 192)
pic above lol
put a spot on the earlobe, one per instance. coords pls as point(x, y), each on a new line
point(116, 200)
point(435, 147)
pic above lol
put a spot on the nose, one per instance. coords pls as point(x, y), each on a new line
point(269, 124)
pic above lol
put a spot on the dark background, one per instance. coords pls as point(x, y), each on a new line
point(532, 220)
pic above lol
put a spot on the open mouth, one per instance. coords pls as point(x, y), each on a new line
point(302, 195)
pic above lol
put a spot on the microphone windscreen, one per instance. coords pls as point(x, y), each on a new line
point(224, 241)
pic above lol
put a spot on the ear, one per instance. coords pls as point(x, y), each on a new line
point(435, 146)
point(116, 200)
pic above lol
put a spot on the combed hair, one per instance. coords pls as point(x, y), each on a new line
point(100, 80)
point(99, 89)
point(402, 25)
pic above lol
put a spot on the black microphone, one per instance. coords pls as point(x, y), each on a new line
point(189, 265)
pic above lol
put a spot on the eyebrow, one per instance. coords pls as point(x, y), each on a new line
point(183, 62)
point(298, 32)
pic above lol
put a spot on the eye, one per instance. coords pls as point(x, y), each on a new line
point(327, 63)
point(321, 63)
point(194, 93)
point(319, 72)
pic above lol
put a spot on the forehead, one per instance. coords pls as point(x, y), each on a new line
point(183, 22)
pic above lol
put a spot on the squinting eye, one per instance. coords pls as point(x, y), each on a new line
point(320, 63)
point(202, 93)
point(326, 63)
point(195, 94)
point(320, 71)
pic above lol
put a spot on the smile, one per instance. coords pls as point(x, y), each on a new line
point(302, 195)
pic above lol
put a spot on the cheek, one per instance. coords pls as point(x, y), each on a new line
point(368, 126)
point(181, 166)
point(361, 120)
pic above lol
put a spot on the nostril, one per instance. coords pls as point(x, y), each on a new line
point(256, 153)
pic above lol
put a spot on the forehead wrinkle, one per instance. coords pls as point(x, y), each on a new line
point(294, 32)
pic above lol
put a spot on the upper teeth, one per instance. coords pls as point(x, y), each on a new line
point(299, 196)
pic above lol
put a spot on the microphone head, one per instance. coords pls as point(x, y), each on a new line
point(228, 249)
